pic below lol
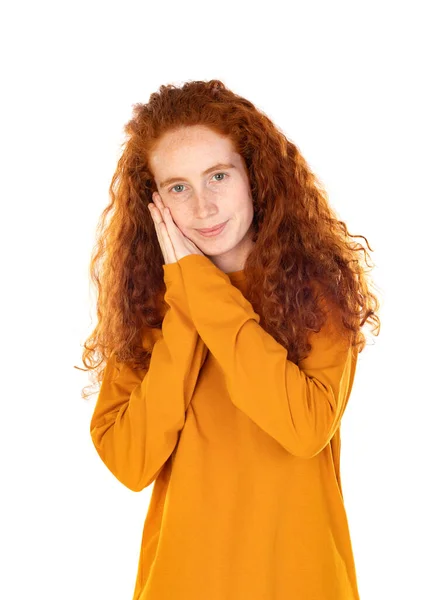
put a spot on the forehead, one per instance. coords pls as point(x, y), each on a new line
point(191, 138)
point(191, 148)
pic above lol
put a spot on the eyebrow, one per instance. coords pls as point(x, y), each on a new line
point(217, 166)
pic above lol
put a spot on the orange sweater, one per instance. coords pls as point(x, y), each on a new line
point(243, 446)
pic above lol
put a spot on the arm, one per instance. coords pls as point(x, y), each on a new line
point(139, 414)
point(299, 406)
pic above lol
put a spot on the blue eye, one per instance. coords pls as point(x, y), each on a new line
point(180, 184)
point(220, 174)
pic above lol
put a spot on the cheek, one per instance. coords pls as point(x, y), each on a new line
point(246, 207)
point(180, 220)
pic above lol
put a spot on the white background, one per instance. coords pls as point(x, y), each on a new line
point(356, 86)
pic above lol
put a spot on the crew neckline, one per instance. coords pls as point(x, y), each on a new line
point(236, 275)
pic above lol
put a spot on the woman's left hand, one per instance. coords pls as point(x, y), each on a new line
point(169, 234)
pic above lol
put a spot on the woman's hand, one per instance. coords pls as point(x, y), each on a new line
point(173, 243)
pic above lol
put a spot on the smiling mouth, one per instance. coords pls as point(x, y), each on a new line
point(214, 231)
point(212, 228)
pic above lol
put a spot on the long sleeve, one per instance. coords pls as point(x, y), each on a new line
point(139, 413)
point(299, 406)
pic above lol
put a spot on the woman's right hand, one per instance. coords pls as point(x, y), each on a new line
point(162, 234)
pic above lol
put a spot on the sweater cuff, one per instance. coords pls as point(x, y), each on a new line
point(171, 272)
point(197, 262)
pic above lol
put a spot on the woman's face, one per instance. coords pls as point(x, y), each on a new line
point(201, 194)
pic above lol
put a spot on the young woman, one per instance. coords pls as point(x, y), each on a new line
point(229, 356)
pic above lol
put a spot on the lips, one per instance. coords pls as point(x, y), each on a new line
point(212, 228)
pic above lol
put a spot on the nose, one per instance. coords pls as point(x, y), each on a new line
point(203, 206)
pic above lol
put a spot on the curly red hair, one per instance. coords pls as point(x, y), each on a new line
point(302, 254)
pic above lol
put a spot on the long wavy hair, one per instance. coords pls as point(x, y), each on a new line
point(302, 253)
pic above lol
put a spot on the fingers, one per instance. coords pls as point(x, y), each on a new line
point(156, 221)
point(160, 217)
point(166, 228)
